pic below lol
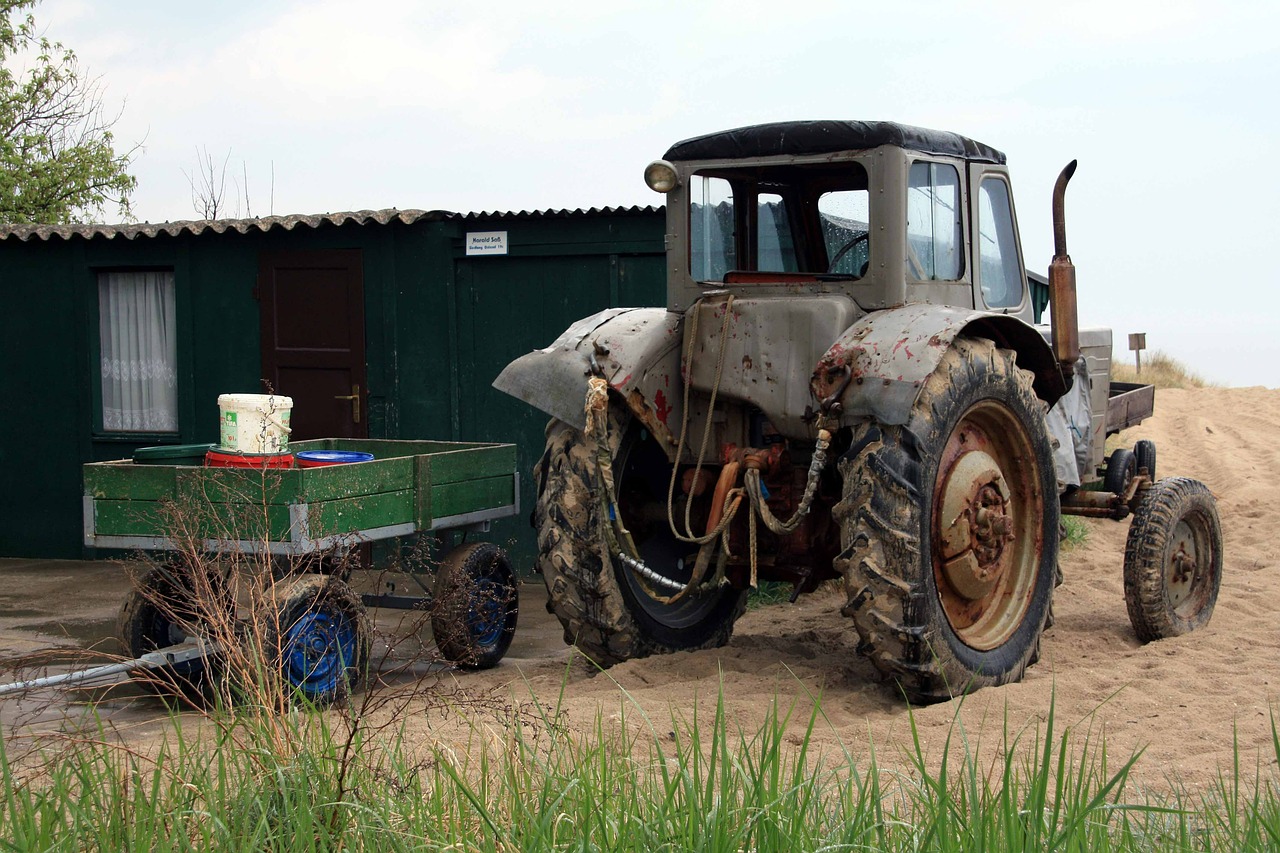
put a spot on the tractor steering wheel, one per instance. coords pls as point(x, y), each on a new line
point(844, 250)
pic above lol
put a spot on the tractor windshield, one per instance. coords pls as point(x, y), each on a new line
point(786, 219)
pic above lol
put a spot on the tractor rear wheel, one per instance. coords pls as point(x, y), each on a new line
point(949, 529)
point(607, 610)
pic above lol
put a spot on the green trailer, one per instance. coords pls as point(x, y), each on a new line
point(306, 523)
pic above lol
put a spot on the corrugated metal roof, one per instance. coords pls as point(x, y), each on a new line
point(218, 226)
point(634, 210)
point(288, 223)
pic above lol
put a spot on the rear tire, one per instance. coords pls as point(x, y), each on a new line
point(605, 610)
point(1145, 451)
point(1173, 559)
point(1122, 465)
point(320, 639)
point(947, 605)
point(160, 610)
point(473, 616)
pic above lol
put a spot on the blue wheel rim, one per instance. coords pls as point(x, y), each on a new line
point(319, 647)
point(487, 613)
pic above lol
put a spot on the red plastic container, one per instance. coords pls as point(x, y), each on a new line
point(217, 458)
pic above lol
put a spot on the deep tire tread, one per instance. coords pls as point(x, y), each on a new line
point(880, 514)
point(583, 590)
point(1146, 597)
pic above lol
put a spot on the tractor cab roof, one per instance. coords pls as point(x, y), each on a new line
point(796, 138)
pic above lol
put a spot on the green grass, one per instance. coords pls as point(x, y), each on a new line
point(1076, 532)
point(688, 783)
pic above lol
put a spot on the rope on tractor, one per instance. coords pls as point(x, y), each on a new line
point(614, 534)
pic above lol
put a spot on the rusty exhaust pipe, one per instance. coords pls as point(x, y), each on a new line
point(1062, 284)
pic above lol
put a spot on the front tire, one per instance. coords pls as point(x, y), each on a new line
point(1173, 559)
point(605, 609)
point(949, 529)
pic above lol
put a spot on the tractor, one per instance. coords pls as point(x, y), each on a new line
point(849, 382)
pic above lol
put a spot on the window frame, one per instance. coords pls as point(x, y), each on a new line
point(99, 432)
point(978, 174)
point(963, 242)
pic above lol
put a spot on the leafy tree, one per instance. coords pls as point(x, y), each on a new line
point(58, 161)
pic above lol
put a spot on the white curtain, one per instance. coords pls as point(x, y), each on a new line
point(139, 352)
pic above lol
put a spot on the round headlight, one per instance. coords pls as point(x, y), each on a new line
point(660, 176)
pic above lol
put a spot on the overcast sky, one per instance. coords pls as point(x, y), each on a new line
point(1170, 107)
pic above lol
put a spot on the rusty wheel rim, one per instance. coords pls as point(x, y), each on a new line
point(1188, 566)
point(986, 531)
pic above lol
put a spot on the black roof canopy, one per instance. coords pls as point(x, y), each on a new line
point(824, 137)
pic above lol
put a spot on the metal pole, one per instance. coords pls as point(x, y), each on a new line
point(160, 658)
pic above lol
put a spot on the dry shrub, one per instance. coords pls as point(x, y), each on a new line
point(1160, 370)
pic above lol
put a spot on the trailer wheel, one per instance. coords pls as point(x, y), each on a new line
point(161, 610)
point(1173, 559)
point(606, 610)
point(949, 529)
point(1145, 453)
point(319, 638)
point(1122, 465)
point(473, 617)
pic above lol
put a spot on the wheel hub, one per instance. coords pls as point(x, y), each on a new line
point(976, 524)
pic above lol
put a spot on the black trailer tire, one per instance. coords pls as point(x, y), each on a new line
point(1173, 559)
point(319, 639)
point(1144, 452)
point(475, 607)
point(1122, 465)
point(604, 609)
point(940, 613)
point(157, 612)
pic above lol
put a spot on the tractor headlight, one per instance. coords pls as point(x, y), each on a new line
point(661, 176)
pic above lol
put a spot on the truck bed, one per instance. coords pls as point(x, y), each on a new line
point(1128, 404)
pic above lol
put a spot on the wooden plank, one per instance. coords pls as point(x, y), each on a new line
point(470, 464)
point(360, 513)
point(123, 480)
point(363, 478)
point(460, 498)
point(211, 521)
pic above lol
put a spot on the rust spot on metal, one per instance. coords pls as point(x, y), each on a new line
point(746, 362)
point(639, 406)
point(660, 406)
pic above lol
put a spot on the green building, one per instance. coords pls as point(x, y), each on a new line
point(381, 324)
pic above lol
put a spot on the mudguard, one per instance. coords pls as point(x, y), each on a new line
point(878, 366)
point(637, 350)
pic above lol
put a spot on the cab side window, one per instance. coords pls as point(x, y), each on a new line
point(999, 272)
point(934, 238)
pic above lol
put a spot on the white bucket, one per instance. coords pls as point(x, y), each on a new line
point(255, 423)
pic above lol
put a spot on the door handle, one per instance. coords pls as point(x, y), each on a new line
point(354, 397)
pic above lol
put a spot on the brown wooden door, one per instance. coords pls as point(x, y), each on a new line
point(312, 309)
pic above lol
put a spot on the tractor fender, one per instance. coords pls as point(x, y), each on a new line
point(879, 365)
point(637, 350)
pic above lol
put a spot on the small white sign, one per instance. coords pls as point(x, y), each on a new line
point(486, 242)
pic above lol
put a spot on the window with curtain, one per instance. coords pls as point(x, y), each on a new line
point(138, 343)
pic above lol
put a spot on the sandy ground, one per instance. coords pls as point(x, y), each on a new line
point(1182, 700)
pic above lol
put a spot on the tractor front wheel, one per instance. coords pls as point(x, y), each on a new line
point(1173, 559)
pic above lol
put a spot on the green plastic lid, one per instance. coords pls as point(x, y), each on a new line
point(171, 454)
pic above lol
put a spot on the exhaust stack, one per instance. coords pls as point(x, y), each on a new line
point(1062, 284)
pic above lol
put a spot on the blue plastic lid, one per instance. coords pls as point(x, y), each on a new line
point(333, 457)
